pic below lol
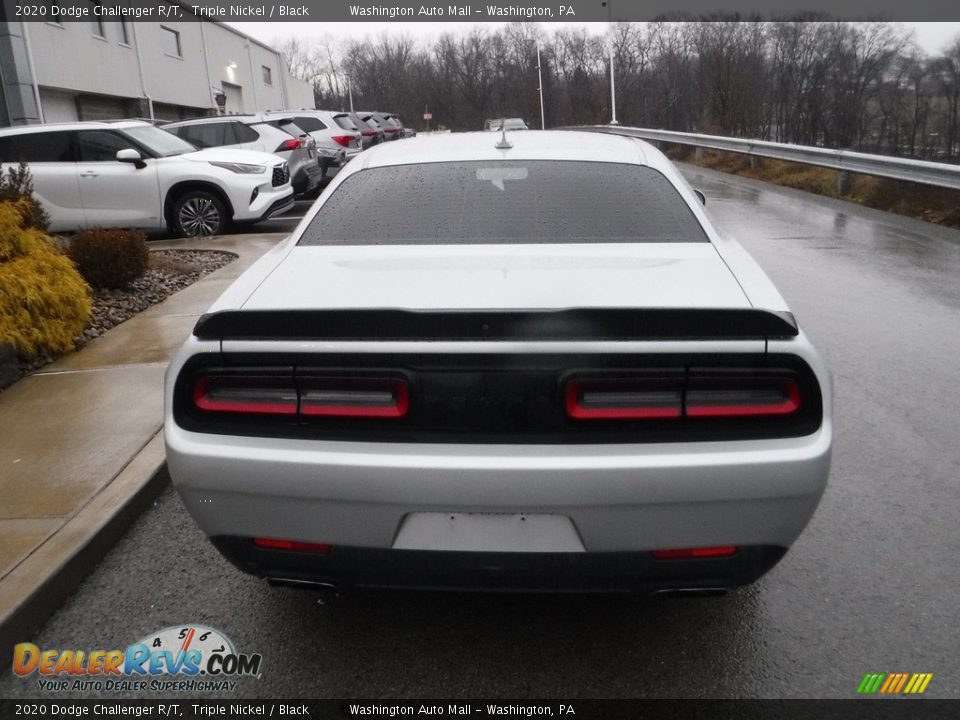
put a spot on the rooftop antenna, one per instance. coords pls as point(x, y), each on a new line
point(503, 143)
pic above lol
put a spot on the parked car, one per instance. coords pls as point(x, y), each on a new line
point(338, 139)
point(277, 135)
point(538, 367)
point(392, 129)
point(371, 134)
point(368, 118)
point(132, 174)
point(508, 123)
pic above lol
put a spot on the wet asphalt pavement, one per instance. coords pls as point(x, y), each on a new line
point(871, 586)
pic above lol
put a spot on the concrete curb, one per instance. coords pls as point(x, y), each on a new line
point(39, 585)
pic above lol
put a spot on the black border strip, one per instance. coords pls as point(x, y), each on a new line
point(192, 705)
point(579, 324)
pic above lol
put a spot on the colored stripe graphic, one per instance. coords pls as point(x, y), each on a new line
point(903, 680)
point(870, 683)
point(918, 683)
point(891, 680)
point(894, 683)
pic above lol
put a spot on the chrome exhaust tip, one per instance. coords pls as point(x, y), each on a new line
point(303, 584)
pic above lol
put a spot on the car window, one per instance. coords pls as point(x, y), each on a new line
point(288, 126)
point(310, 124)
point(203, 136)
point(344, 121)
point(160, 143)
point(102, 145)
point(244, 133)
point(39, 147)
point(504, 202)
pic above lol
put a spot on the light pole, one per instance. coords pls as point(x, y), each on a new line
point(543, 125)
point(350, 92)
point(608, 4)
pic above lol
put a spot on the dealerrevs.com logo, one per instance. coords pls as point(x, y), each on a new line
point(187, 658)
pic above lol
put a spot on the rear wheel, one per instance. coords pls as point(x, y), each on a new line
point(199, 212)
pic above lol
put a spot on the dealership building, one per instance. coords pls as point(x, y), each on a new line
point(99, 70)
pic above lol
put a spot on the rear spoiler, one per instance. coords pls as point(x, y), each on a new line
point(548, 325)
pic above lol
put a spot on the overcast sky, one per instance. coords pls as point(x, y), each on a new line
point(931, 37)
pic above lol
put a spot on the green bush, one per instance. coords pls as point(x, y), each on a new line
point(44, 303)
point(110, 258)
point(17, 185)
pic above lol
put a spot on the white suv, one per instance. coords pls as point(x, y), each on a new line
point(132, 174)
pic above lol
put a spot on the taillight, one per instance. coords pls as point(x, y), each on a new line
point(292, 545)
point(291, 144)
point(250, 395)
point(742, 397)
point(693, 553)
point(336, 397)
point(369, 133)
point(342, 140)
point(702, 394)
point(622, 399)
point(360, 397)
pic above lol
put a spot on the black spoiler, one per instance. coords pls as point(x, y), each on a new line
point(620, 324)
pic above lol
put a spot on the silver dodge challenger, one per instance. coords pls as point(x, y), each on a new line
point(533, 364)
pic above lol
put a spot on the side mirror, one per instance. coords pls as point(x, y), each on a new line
point(129, 155)
point(703, 198)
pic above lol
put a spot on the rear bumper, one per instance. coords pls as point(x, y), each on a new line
point(347, 567)
point(619, 498)
point(307, 177)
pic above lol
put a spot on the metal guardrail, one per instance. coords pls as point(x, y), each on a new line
point(844, 161)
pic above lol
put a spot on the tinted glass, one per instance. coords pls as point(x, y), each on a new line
point(159, 142)
point(102, 145)
point(310, 124)
point(345, 122)
point(243, 133)
point(504, 202)
point(289, 126)
point(39, 147)
point(203, 136)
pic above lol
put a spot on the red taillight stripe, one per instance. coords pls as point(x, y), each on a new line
point(342, 139)
point(788, 403)
point(691, 553)
point(356, 398)
point(253, 397)
point(292, 545)
point(696, 398)
point(613, 400)
point(331, 397)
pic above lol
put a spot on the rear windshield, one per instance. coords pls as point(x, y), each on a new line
point(345, 122)
point(504, 202)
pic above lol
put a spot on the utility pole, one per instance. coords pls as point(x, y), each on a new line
point(613, 92)
point(350, 92)
point(543, 125)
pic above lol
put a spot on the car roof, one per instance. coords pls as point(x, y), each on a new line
point(246, 117)
point(527, 145)
point(84, 125)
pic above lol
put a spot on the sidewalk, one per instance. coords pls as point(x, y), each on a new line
point(81, 447)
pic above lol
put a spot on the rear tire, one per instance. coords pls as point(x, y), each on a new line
point(199, 213)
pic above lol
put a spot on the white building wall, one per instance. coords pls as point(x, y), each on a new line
point(299, 94)
point(71, 59)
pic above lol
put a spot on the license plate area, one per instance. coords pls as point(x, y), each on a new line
point(488, 532)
